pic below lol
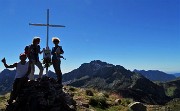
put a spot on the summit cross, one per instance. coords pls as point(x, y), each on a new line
point(47, 51)
point(47, 25)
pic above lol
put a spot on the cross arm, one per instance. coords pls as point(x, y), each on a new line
point(38, 24)
point(56, 25)
point(46, 25)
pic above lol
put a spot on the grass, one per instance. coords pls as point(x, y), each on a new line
point(174, 105)
point(98, 101)
point(3, 99)
point(170, 91)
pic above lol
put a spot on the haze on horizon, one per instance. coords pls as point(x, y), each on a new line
point(137, 34)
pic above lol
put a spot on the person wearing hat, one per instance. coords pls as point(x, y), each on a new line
point(56, 58)
point(33, 56)
point(23, 69)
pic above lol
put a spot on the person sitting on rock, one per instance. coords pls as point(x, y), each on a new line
point(33, 55)
point(23, 69)
point(56, 58)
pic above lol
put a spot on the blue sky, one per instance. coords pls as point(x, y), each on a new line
point(137, 34)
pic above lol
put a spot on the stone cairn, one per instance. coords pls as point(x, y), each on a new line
point(43, 95)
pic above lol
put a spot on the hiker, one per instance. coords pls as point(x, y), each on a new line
point(33, 52)
point(23, 69)
point(56, 58)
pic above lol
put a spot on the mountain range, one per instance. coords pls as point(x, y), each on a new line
point(156, 75)
point(112, 78)
point(177, 74)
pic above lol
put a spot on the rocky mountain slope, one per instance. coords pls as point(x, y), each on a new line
point(6, 80)
point(104, 76)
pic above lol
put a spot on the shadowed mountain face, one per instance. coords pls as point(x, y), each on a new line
point(104, 76)
point(86, 69)
point(6, 80)
point(155, 75)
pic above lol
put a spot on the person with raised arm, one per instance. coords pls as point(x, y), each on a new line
point(23, 69)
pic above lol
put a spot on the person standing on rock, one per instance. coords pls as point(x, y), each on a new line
point(23, 69)
point(56, 58)
point(33, 52)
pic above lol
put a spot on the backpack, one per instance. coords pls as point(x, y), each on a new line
point(27, 50)
point(31, 52)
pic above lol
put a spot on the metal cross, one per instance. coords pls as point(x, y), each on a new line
point(47, 25)
point(47, 52)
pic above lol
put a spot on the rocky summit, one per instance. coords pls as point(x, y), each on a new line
point(43, 95)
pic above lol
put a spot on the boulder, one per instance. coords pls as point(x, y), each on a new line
point(117, 101)
point(137, 106)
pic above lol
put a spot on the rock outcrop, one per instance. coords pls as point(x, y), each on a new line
point(43, 95)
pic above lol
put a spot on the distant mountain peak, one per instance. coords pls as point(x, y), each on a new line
point(95, 65)
point(156, 75)
point(90, 69)
point(147, 70)
point(99, 62)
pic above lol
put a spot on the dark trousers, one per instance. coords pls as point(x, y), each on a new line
point(17, 87)
point(56, 65)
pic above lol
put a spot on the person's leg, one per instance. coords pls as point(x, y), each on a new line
point(56, 65)
point(21, 83)
point(59, 76)
point(39, 65)
point(19, 86)
point(13, 94)
point(31, 75)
